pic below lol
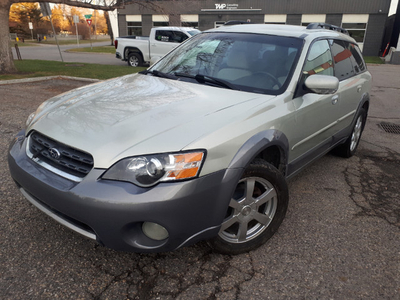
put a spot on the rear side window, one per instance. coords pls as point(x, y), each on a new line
point(359, 64)
point(342, 57)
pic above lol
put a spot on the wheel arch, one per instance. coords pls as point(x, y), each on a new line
point(365, 102)
point(270, 145)
point(131, 50)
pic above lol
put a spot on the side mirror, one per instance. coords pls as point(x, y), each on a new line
point(322, 84)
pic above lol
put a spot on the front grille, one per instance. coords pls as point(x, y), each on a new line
point(60, 156)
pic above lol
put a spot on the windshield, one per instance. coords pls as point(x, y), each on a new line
point(250, 62)
point(193, 32)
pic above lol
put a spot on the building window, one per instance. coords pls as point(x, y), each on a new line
point(356, 25)
point(356, 30)
point(134, 24)
point(308, 19)
point(218, 24)
point(160, 20)
point(191, 24)
point(190, 21)
point(134, 28)
point(275, 19)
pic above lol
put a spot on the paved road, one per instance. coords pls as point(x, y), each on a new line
point(50, 52)
point(340, 240)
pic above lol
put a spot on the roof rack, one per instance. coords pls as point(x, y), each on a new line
point(236, 22)
point(327, 26)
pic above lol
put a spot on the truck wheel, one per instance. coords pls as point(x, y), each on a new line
point(134, 60)
point(256, 210)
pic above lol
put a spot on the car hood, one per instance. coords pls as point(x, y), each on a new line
point(138, 114)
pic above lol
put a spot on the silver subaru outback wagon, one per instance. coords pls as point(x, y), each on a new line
point(200, 145)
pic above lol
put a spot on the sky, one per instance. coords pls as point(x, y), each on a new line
point(393, 7)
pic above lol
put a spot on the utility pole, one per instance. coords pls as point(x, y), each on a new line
point(76, 21)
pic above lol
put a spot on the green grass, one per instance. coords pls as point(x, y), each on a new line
point(39, 68)
point(21, 44)
point(101, 49)
point(373, 60)
point(71, 41)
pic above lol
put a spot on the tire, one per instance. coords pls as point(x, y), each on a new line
point(348, 149)
point(134, 60)
point(252, 219)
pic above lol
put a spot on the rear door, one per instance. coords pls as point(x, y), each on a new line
point(350, 69)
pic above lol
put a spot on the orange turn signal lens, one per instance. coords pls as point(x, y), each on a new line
point(185, 165)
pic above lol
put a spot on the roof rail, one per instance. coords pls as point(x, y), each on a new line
point(236, 22)
point(327, 26)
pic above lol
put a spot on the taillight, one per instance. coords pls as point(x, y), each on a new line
point(116, 44)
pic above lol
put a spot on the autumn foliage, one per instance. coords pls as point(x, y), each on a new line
point(62, 16)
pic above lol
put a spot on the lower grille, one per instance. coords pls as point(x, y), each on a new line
point(60, 156)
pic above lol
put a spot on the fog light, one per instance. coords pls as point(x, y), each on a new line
point(154, 231)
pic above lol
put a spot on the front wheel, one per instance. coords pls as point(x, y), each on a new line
point(134, 60)
point(350, 146)
point(256, 210)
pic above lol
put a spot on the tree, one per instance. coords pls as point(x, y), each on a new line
point(6, 58)
point(23, 13)
point(58, 17)
point(110, 32)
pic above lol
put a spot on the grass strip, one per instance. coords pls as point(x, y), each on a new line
point(373, 60)
point(38, 68)
point(101, 49)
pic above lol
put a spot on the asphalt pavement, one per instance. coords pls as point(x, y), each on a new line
point(50, 52)
point(340, 239)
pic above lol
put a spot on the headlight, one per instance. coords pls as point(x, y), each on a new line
point(148, 170)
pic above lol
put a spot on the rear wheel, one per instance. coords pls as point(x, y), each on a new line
point(350, 146)
point(134, 60)
point(256, 210)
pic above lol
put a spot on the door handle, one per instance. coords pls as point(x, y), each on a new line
point(359, 88)
point(335, 99)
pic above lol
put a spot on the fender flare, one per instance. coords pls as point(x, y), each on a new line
point(258, 143)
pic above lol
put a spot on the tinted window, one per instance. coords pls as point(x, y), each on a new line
point(319, 59)
point(342, 57)
point(359, 61)
point(170, 36)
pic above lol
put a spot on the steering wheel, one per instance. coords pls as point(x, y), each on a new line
point(272, 77)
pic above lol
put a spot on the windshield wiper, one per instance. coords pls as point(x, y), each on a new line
point(209, 79)
point(158, 74)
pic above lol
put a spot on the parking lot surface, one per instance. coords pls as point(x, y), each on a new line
point(340, 239)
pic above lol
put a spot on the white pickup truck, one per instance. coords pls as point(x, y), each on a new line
point(138, 50)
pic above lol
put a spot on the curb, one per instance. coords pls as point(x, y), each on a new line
point(35, 79)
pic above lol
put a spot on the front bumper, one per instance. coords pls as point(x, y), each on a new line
point(113, 212)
